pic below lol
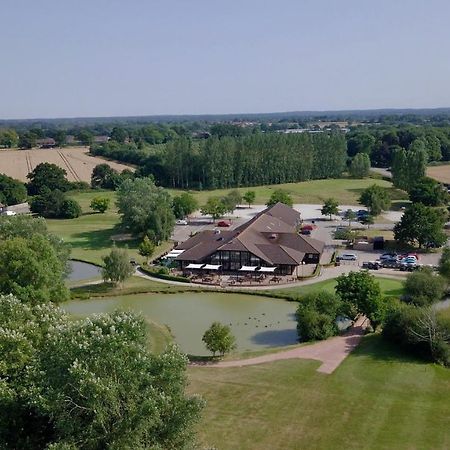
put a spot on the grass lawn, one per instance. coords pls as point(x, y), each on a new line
point(389, 287)
point(346, 191)
point(91, 235)
point(377, 398)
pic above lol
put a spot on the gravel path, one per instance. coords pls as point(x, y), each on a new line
point(330, 352)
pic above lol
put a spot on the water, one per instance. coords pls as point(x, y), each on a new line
point(83, 271)
point(256, 322)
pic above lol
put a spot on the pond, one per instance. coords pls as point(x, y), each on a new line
point(257, 322)
point(83, 271)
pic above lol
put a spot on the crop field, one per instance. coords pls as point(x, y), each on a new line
point(74, 160)
point(440, 173)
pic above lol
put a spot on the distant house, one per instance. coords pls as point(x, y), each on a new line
point(270, 239)
point(46, 143)
point(101, 139)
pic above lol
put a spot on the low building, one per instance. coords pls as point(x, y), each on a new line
point(46, 143)
point(270, 239)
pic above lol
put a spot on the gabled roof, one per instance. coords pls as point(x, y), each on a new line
point(271, 235)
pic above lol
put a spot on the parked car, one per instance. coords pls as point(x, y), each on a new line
point(362, 213)
point(181, 222)
point(388, 256)
point(371, 265)
point(224, 224)
point(348, 257)
point(305, 231)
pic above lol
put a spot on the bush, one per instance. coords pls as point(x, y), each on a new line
point(163, 273)
point(316, 316)
point(70, 209)
point(423, 287)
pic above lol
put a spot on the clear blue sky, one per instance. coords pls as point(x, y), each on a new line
point(65, 58)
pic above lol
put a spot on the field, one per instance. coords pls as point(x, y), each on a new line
point(377, 398)
point(92, 235)
point(440, 173)
point(74, 160)
point(345, 190)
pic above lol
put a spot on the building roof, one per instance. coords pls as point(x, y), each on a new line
point(271, 235)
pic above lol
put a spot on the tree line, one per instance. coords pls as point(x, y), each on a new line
point(224, 162)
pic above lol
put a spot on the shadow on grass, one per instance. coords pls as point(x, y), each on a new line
point(394, 292)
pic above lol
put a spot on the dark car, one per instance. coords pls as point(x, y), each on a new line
point(223, 224)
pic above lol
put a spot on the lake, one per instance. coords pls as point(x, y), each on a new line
point(257, 322)
point(80, 271)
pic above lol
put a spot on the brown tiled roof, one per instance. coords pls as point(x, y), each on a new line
point(271, 235)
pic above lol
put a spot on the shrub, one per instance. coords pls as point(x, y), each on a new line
point(423, 287)
point(70, 209)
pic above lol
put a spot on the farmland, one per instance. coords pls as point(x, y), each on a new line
point(440, 172)
point(74, 160)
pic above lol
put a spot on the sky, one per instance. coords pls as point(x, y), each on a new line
point(88, 58)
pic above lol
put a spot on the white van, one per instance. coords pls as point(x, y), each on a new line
point(348, 257)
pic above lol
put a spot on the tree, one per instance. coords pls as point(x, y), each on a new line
point(423, 287)
point(145, 207)
point(360, 166)
point(93, 382)
point(375, 199)
point(316, 316)
point(231, 200)
point(360, 142)
point(47, 176)
point(184, 204)
point(54, 204)
point(360, 293)
point(60, 138)
point(429, 192)
point(8, 138)
point(119, 134)
point(408, 167)
point(218, 338)
point(116, 266)
point(12, 191)
point(32, 270)
point(249, 198)
point(350, 215)
point(444, 264)
point(100, 204)
point(368, 220)
point(330, 207)
point(214, 207)
point(146, 248)
point(421, 225)
point(105, 177)
point(28, 227)
point(85, 137)
point(280, 196)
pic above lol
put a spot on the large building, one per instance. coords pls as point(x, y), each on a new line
point(270, 239)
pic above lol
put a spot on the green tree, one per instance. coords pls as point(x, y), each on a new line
point(330, 207)
point(12, 191)
point(423, 287)
point(8, 138)
point(280, 196)
point(85, 137)
point(360, 166)
point(116, 266)
point(421, 225)
point(316, 316)
point(145, 207)
point(360, 142)
point(429, 192)
point(70, 209)
point(100, 204)
point(214, 207)
point(28, 227)
point(93, 382)
point(47, 176)
point(249, 198)
point(54, 204)
point(218, 338)
point(444, 264)
point(146, 248)
point(360, 293)
point(350, 215)
point(105, 177)
point(231, 200)
point(60, 138)
point(32, 270)
point(184, 204)
point(119, 134)
point(375, 199)
point(408, 166)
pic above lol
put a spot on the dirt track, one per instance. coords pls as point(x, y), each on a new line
point(74, 160)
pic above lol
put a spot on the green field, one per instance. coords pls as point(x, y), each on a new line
point(389, 287)
point(377, 399)
point(91, 235)
point(345, 190)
